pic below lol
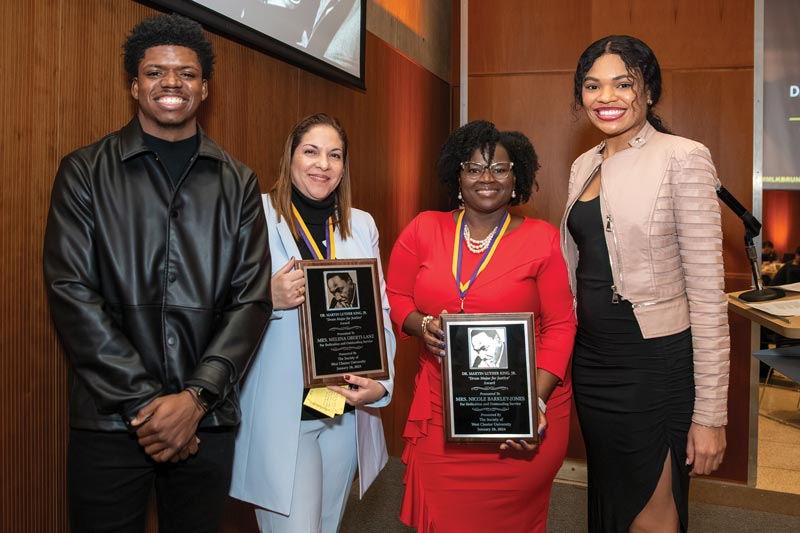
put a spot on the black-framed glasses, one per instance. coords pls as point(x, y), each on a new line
point(499, 170)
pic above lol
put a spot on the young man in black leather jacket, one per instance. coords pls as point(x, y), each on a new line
point(158, 270)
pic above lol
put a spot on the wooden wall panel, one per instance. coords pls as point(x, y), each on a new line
point(526, 84)
point(35, 132)
point(94, 93)
point(419, 29)
point(713, 106)
point(64, 86)
point(252, 105)
point(538, 105)
point(391, 143)
point(526, 36)
point(684, 33)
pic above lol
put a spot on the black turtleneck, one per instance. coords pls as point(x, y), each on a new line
point(175, 155)
point(315, 214)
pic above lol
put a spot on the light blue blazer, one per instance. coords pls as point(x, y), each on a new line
point(267, 441)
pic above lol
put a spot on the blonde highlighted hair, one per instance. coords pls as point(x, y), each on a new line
point(281, 193)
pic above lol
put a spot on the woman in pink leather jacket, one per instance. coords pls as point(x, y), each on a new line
point(643, 243)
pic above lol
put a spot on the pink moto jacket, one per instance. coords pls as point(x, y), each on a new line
point(662, 219)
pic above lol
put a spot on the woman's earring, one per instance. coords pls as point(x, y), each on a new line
point(460, 200)
point(513, 193)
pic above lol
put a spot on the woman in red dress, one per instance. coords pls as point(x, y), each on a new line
point(477, 487)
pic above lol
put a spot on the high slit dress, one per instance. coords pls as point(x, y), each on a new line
point(634, 396)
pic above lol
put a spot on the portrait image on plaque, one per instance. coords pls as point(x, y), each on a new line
point(488, 347)
point(341, 322)
point(489, 378)
point(342, 289)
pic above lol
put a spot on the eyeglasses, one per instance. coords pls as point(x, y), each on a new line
point(499, 170)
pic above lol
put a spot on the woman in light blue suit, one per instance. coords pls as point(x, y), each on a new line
point(296, 464)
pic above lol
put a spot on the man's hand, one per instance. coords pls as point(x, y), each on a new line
point(166, 425)
point(187, 451)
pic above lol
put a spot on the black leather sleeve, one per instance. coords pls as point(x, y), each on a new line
point(249, 306)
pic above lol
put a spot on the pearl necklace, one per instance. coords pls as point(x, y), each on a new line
point(475, 246)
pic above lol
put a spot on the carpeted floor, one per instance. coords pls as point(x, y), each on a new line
point(377, 512)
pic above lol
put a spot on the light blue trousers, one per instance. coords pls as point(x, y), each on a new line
point(326, 465)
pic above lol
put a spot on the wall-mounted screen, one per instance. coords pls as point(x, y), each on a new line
point(325, 37)
point(781, 163)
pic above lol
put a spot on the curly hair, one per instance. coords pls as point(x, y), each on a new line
point(164, 30)
point(640, 61)
point(483, 135)
point(526, 163)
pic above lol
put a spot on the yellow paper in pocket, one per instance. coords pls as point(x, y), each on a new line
point(325, 401)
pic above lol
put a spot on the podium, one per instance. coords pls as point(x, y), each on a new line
point(787, 326)
point(785, 359)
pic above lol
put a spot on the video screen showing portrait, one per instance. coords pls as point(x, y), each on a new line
point(325, 37)
point(329, 30)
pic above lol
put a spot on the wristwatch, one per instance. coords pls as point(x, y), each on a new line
point(542, 405)
point(205, 398)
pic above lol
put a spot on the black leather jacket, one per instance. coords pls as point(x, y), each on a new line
point(152, 287)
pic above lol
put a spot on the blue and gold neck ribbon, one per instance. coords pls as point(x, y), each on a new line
point(330, 252)
point(458, 251)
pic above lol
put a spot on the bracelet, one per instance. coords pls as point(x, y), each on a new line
point(198, 401)
point(425, 321)
point(542, 405)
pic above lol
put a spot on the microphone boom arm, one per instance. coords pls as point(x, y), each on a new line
point(752, 227)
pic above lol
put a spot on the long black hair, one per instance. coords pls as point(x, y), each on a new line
point(640, 61)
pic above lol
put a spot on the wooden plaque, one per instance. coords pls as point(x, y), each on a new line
point(489, 378)
point(341, 322)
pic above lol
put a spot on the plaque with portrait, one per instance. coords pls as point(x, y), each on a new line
point(489, 378)
point(341, 322)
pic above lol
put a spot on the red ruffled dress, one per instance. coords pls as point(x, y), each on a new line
point(467, 487)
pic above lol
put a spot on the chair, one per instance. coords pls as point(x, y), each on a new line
point(784, 359)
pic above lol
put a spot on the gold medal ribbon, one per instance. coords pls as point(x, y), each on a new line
point(309, 240)
point(458, 252)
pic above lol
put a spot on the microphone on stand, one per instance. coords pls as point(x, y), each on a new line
point(752, 227)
